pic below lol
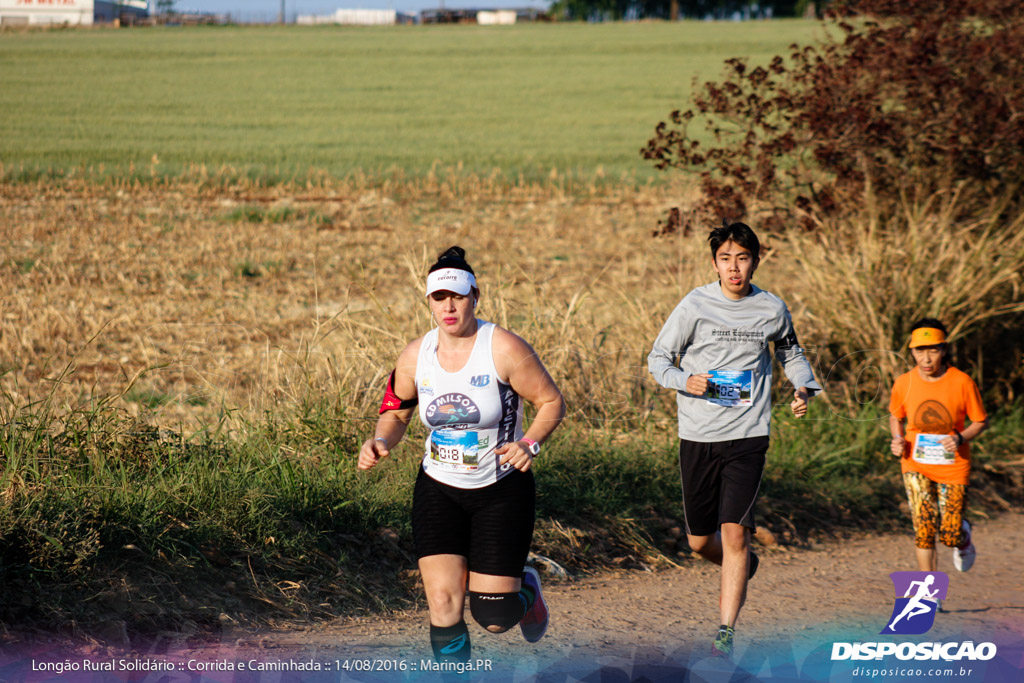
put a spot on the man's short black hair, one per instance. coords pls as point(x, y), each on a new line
point(740, 233)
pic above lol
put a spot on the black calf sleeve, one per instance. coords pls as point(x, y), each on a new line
point(503, 610)
point(450, 643)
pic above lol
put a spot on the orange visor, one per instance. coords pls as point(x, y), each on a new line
point(927, 336)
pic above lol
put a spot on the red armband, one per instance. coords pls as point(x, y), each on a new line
point(392, 401)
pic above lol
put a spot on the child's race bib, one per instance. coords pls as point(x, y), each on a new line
point(928, 450)
point(731, 387)
point(455, 449)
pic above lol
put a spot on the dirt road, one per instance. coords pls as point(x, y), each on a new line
point(636, 626)
point(659, 625)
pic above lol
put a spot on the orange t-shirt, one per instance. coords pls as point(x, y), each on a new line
point(936, 408)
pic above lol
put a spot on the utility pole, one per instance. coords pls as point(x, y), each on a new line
point(280, 17)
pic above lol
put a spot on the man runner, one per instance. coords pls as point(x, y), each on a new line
point(719, 334)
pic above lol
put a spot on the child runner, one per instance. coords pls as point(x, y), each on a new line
point(926, 418)
point(719, 334)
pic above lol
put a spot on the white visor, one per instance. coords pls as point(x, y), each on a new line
point(450, 280)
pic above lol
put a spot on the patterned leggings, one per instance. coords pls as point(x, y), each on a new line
point(931, 502)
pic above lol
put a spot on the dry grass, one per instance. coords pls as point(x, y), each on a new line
point(248, 298)
point(865, 281)
point(202, 301)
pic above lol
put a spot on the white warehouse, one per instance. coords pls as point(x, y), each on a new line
point(71, 12)
point(352, 17)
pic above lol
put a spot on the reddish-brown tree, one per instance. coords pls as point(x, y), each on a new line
point(909, 96)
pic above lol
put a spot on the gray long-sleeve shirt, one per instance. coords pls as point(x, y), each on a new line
point(709, 332)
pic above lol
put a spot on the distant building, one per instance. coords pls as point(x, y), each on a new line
point(191, 18)
point(72, 12)
point(357, 17)
point(481, 16)
point(496, 17)
point(122, 11)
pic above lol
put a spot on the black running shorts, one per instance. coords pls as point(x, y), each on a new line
point(720, 482)
point(491, 527)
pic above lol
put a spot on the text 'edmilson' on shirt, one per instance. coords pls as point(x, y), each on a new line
point(469, 413)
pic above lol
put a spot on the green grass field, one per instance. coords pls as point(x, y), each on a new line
point(275, 102)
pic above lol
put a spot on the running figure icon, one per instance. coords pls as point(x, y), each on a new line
point(915, 606)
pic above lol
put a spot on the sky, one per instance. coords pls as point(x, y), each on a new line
point(267, 10)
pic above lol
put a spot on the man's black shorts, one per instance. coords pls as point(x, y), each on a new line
point(720, 482)
point(491, 527)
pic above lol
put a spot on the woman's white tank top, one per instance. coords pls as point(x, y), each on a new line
point(469, 413)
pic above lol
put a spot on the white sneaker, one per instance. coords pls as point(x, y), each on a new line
point(963, 558)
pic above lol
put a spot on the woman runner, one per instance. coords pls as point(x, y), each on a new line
point(473, 503)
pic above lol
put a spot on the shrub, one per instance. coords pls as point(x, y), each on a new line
point(910, 96)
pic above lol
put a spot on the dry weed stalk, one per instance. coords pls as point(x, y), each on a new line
point(241, 300)
point(244, 300)
point(865, 280)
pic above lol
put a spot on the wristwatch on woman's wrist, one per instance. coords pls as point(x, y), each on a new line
point(531, 446)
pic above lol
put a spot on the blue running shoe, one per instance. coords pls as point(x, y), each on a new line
point(534, 623)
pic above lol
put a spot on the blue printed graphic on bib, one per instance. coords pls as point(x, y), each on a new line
point(928, 450)
point(455, 449)
point(453, 411)
point(731, 387)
